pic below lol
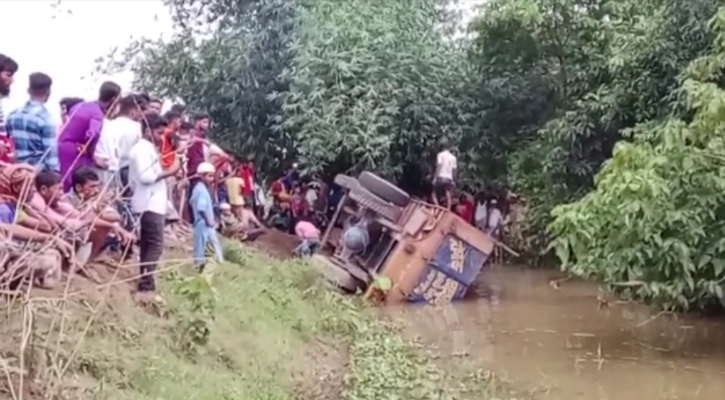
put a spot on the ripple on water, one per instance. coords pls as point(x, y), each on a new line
point(558, 342)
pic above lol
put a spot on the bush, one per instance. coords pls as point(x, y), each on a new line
point(653, 228)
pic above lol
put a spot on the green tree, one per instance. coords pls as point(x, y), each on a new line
point(374, 85)
point(351, 85)
point(653, 227)
point(583, 71)
point(224, 59)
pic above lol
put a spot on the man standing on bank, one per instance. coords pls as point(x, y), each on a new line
point(78, 138)
point(32, 128)
point(149, 200)
point(205, 223)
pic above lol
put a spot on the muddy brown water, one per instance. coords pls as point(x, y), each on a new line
point(560, 345)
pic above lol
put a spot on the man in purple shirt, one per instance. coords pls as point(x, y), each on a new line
point(77, 140)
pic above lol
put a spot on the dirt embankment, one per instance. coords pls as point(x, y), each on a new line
point(92, 341)
point(64, 342)
point(276, 243)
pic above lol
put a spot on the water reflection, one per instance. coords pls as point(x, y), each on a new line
point(559, 342)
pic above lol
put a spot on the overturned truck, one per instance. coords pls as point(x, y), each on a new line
point(381, 241)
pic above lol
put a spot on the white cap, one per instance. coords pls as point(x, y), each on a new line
point(205, 168)
point(225, 206)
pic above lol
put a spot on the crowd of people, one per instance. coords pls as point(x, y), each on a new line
point(115, 172)
point(486, 210)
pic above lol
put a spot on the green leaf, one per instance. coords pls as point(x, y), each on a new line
point(383, 283)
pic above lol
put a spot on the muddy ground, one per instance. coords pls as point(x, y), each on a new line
point(276, 243)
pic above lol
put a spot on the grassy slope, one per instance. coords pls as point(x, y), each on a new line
point(274, 332)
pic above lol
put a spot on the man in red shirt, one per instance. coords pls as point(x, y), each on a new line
point(246, 172)
point(196, 153)
point(466, 208)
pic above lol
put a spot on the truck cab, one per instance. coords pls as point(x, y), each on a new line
point(378, 233)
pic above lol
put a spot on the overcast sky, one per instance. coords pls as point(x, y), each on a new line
point(64, 40)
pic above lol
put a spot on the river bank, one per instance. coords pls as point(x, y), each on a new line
point(252, 328)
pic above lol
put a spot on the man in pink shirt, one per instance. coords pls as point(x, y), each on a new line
point(308, 233)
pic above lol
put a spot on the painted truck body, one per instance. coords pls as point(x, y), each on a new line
point(427, 253)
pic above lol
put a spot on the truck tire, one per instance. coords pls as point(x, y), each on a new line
point(364, 198)
point(383, 189)
point(345, 181)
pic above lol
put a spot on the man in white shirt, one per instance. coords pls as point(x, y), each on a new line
point(149, 200)
point(444, 179)
point(128, 133)
point(311, 195)
point(260, 200)
point(480, 215)
point(111, 156)
point(494, 222)
point(117, 137)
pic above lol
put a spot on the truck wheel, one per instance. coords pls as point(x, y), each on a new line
point(345, 181)
point(383, 189)
point(365, 199)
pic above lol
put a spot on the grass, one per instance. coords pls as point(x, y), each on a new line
point(253, 328)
